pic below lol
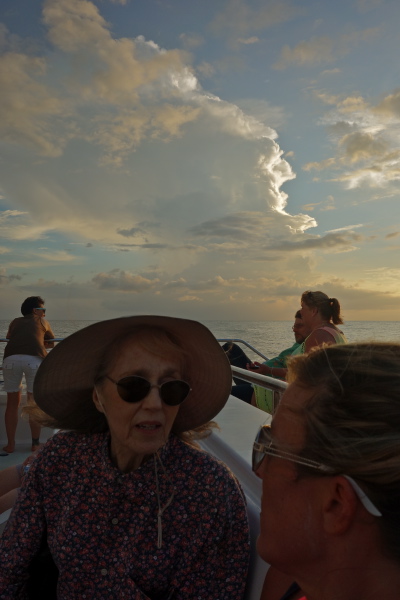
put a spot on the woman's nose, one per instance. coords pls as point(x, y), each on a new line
point(153, 399)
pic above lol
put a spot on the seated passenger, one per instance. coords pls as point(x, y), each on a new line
point(320, 316)
point(330, 469)
point(128, 506)
point(257, 395)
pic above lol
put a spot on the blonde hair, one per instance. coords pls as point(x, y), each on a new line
point(352, 420)
point(329, 308)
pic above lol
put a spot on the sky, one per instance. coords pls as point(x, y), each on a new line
point(206, 159)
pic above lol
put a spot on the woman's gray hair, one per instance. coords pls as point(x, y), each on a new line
point(352, 420)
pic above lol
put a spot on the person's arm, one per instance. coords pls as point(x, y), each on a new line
point(8, 334)
point(216, 560)
point(274, 367)
point(263, 369)
point(48, 335)
point(22, 537)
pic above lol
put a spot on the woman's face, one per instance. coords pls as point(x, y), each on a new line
point(289, 521)
point(137, 429)
point(307, 314)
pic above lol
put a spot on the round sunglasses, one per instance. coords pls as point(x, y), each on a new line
point(134, 389)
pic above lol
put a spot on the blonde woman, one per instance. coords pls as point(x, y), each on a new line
point(330, 468)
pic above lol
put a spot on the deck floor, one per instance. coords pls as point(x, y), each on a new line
point(22, 451)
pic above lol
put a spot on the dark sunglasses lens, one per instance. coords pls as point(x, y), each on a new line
point(174, 392)
point(133, 389)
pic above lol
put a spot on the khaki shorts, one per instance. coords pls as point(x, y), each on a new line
point(17, 365)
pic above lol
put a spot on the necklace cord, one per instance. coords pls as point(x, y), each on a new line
point(161, 510)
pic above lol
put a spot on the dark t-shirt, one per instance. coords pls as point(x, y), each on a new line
point(26, 336)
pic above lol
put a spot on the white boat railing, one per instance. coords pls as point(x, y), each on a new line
point(275, 385)
point(239, 341)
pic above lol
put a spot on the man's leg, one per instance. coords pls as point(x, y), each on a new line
point(244, 391)
point(11, 419)
point(35, 428)
point(237, 358)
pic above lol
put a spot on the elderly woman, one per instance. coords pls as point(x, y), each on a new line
point(320, 315)
point(330, 468)
point(128, 506)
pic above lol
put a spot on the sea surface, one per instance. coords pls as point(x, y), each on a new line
point(269, 337)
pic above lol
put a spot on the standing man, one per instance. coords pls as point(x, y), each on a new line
point(23, 354)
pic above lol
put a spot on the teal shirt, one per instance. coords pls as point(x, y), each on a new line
point(280, 361)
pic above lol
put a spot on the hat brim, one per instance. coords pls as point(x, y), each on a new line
point(65, 379)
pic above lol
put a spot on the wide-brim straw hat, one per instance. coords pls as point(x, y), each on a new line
point(65, 379)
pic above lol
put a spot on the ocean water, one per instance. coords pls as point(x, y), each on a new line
point(269, 337)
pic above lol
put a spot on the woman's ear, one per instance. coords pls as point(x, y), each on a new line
point(97, 402)
point(340, 505)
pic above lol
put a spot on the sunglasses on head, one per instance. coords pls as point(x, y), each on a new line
point(264, 445)
point(134, 389)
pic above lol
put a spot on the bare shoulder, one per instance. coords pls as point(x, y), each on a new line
point(319, 337)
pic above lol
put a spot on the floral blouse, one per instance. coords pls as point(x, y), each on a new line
point(102, 525)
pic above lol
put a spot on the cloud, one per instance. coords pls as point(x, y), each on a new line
point(323, 205)
point(191, 40)
point(123, 281)
point(206, 69)
point(238, 20)
point(5, 215)
point(251, 40)
point(312, 52)
point(392, 235)
point(368, 5)
point(244, 225)
point(7, 279)
point(372, 176)
point(366, 138)
point(169, 182)
point(30, 109)
point(322, 49)
point(346, 228)
point(188, 298)
point(132, 232)
point(264, 112)
point(389, 106)
point(331, 242)
point(320, 166)
point(360, 145)
point(56, 256)
point(334, 71)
